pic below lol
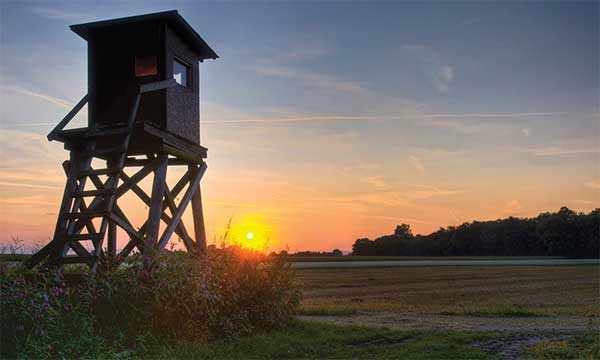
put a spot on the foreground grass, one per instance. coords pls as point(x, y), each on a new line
point(316, 340)
point(582, 346)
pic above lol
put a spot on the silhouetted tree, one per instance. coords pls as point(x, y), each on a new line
point(564, 233)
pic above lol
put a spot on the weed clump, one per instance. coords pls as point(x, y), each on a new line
point(226, 293)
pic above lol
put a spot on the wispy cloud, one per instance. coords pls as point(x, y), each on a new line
point(51, 99)
point(442, 78)
point(512, 207)
point(437, 72)
point(416, 163)
point(23, 185)
point(375, 181)
point(322, 81)
point(593, 184)
point(59, 14)
point(560, 150)
point(437, 119)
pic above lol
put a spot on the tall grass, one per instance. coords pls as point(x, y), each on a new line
point(227, 293)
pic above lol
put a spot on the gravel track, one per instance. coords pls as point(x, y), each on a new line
point(514, 334)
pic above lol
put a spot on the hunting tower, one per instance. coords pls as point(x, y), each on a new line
point(143, 115)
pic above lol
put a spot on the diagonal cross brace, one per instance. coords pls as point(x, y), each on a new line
point(192, 188)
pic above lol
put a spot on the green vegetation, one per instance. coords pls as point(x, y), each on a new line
point(564, 233)
point(223, 295)
point(496, 311)
point(14, 257)
point(315, 340)
point(581, 346)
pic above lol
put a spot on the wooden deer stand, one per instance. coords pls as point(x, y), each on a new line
point(143, 113)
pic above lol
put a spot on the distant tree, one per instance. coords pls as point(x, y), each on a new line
point(337, 252)
point(364, 247)
point(564, 233)
point(403, 231)
point(558, 232)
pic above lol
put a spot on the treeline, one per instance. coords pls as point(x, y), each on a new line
point(564, 233)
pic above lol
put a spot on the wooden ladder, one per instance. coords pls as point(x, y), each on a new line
point(75, 215)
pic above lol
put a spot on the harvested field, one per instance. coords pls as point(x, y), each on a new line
point(462, 291)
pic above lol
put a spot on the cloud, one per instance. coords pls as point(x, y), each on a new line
point(312, 79)
point(33, 186)
point(560, 150)
point(442, 120)
point(442, 78)
point(513, 207)
point(438, 73)
point(584, 202)
point(417, 164)
point(593, 184)
point(375, 181)
point(51, 99)
point(59, 14)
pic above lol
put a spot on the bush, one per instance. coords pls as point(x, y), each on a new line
point(227, 293)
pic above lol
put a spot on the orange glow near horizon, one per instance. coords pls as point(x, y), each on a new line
point(250, 232)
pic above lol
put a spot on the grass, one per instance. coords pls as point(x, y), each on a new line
point(477, 291)
point(582, 346)
point(14, 257)
point(496, 311)
point(315, 340)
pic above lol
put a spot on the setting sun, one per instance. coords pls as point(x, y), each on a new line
point(251, 231)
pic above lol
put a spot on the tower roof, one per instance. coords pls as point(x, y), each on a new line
point(172, 17)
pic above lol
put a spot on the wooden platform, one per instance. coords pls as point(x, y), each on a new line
point(145, 139)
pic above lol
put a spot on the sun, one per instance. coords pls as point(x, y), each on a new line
point(251, 232)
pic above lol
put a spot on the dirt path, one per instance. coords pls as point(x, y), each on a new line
point(563, 324)
point(515, 334)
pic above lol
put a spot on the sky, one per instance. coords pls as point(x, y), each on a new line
point(332, 121)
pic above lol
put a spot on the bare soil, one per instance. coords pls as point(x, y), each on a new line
point(567, 297)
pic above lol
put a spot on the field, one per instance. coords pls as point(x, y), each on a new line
point(295, 258)
point(539, 310)
point(426, 312)
point(549, 312)
point(494, 291)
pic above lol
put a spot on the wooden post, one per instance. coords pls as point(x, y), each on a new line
point(198, 215)
point(156, 209)
point(111, 245)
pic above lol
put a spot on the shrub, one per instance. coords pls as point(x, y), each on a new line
point(227, 293)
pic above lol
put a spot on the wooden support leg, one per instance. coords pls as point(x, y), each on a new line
point(112, 241)
point(111, 245)
point(156, 209)
point(187, 197)
point(198, 215)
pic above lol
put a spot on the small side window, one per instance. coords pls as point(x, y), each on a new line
point(181, 73)
point(146, 66)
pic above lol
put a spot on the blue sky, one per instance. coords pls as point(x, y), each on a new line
point(430, 113)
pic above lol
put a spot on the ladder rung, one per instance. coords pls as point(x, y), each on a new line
point(97, 172)
point(86, 214)
point(100, 192)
